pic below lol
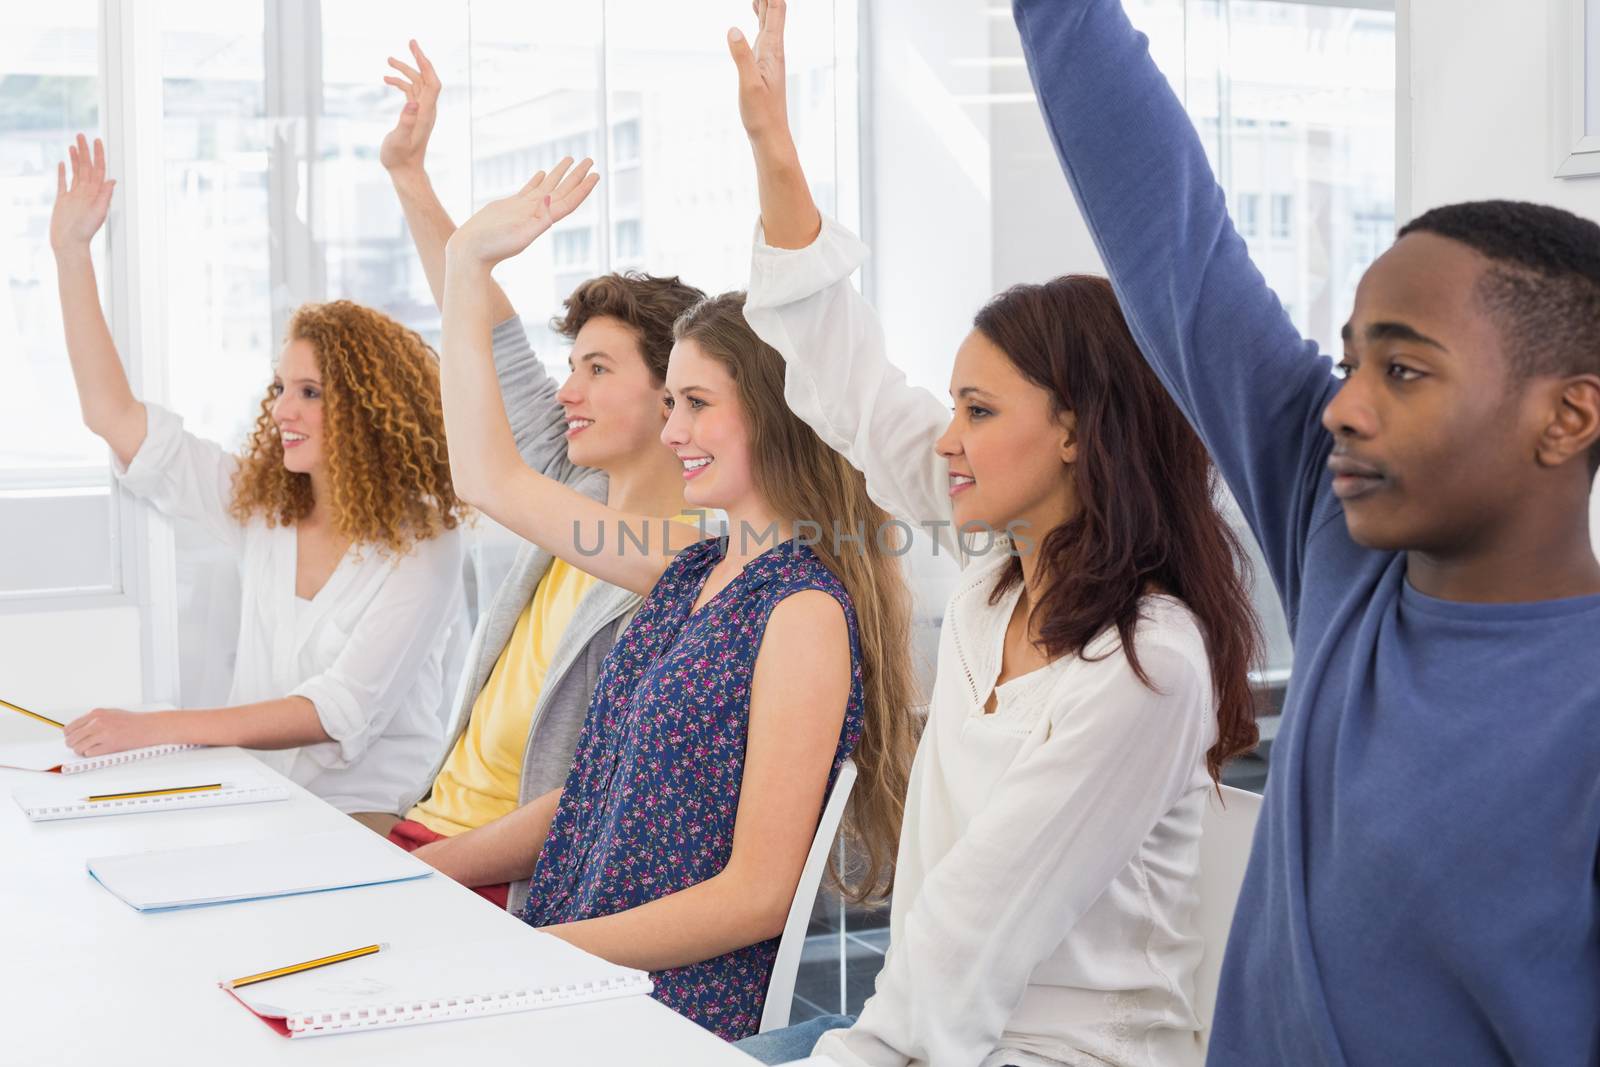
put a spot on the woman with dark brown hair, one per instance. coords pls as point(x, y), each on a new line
point(1092, 671)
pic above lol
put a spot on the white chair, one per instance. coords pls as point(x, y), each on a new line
point(780, 990)
point(1226, 831)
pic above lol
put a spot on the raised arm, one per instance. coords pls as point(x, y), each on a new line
point(838, 376)
point(403, 154)
point(1202, 313)
point(484, 464)
point(529, 394)
point(110, 410)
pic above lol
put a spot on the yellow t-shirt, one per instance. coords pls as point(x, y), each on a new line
point(483, 776)
point(481, 779)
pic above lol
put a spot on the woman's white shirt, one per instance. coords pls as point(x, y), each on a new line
point(366, 650)
point(1044, 903)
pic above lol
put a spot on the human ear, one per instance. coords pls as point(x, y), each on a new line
point(1067, 421)
point(1574, 424)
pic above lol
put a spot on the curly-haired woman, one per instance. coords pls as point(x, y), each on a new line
point(341, 512)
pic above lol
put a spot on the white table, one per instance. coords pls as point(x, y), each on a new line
point(86, 980)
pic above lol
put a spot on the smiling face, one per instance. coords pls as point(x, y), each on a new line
point(297, 407)
point(707, 431)
point(1008, 450)
point(1433, 435)
point(612, 403)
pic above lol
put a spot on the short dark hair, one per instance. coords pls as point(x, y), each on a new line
point(1543, 283)
point(647, 304)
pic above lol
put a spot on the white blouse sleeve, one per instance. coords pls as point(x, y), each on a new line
point(1058, 828)
point(839, 380)
point(183, 476)
point(358, 694)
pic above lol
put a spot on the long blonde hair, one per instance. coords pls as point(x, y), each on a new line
point(388, 468)
point(803, 479)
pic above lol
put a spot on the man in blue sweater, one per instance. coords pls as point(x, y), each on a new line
point(1424, 885)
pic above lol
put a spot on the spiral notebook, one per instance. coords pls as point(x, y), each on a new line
point(70, 799)
point(57, 757)
point(407, 986)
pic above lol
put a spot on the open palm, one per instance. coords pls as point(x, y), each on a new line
point(81, 207)
point(407, 143)
point(501, 229)
point(763, 100)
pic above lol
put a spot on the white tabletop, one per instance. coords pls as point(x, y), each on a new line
point(86, 979)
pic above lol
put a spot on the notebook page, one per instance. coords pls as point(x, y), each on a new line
point(409, 984)
point(251, 870)
point(67, 798)
point(50, 755)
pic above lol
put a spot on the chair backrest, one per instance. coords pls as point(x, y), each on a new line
point(780, 990)
point(1226, 830)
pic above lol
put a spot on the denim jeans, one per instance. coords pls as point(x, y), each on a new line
point(792, 1042)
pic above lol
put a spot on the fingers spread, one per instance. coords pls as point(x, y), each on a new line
point(533, 184)
point(423, 63)
point(61, 179)
point(559, 172)
point(403, 69)
point(572, 179)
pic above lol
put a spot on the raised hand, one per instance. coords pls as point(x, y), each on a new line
point(406, 144)
point(763, 101)
point(81, 207)
point(503, 228)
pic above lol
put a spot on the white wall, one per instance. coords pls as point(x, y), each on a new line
point(1482, 88)
point(71, 660)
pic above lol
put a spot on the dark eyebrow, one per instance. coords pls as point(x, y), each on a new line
point(1391, 331)
point(972, 390)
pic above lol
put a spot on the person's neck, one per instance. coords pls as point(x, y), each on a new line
point(752, 530)
point(651, 485)
point(1539, 557)
point(318, 515)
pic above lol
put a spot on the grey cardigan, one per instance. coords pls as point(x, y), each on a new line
point(539, 427)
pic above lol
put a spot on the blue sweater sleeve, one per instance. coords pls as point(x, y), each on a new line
point(1203, 315)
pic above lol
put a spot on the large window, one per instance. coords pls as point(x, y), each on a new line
point(52, 471)
point(1295, 104)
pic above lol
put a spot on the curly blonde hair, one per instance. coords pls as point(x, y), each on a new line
point(388, 468)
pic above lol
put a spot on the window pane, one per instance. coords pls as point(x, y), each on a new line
point(680, 177)
point(359, 225)
point(49, 91)
point(54, 501)
point(536, 98)
point(217, 155)
point(1309, 113)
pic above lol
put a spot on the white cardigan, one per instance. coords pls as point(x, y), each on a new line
point(1044, 891)
point(366, 650)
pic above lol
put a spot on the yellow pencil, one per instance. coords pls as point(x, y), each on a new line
point(32, 714)
point(167, 792)
point(296, 968)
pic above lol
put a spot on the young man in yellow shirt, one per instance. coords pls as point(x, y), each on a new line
point(538, 648)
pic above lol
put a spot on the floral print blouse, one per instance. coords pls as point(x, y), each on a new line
point(649, 805)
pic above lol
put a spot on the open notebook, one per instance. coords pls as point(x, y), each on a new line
point(56, 756)
point(253, 870)
point(406, 985)
point(71, 798)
